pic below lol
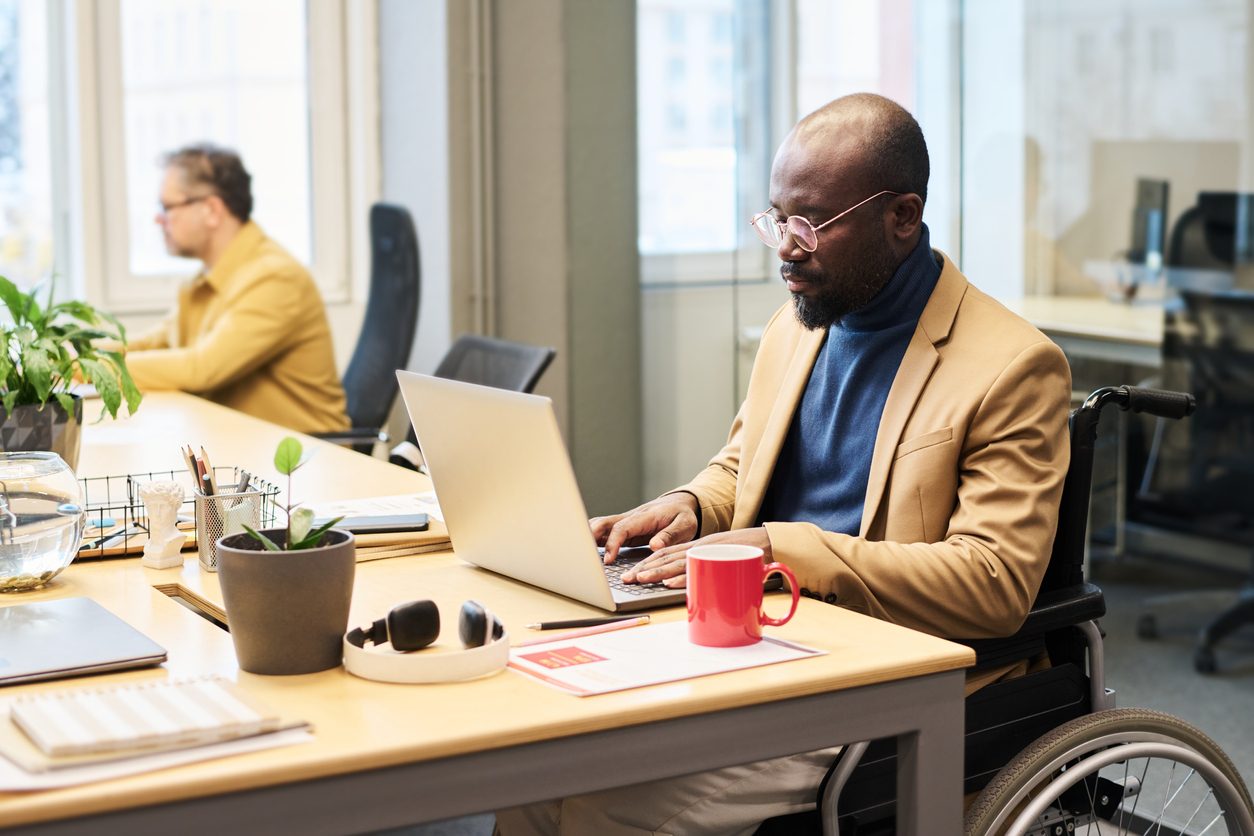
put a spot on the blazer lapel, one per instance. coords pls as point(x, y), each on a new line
point(916, 368)
point(776, 428)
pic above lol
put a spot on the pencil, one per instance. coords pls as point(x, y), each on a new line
point(580, 622)
point(191, 463)
point(213, 481)
point(588, 631)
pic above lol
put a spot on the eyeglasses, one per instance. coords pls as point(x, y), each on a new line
point(772, 230)
point(167, 208)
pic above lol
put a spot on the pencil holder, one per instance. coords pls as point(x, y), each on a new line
point(222, 514)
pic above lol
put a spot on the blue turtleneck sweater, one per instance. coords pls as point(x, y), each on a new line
point(822, 470)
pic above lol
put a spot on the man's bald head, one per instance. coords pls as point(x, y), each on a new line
point(871, 136)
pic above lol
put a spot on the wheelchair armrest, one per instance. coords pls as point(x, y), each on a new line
point(1053, 610)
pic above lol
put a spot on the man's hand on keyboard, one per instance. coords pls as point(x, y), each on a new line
point(669, 566)
point(666, 521)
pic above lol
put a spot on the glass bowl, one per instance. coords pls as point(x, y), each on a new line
point(41, 519)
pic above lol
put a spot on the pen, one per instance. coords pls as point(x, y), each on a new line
point(582, 622)
point(614, 624)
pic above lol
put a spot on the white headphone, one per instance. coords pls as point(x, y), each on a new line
point(413, 626)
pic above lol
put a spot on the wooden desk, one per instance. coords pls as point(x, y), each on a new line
point(388, 755)
point(1096, 328)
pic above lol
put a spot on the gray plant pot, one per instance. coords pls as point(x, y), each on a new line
point(29, 427)
point(287, 611)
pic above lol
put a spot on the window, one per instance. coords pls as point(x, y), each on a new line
point(237, 73)
point(232, 72)
point(1069, 107)
point(752, 69)
point(699, 65)
point(91, 95)
point(854, 46)
point(26, 209)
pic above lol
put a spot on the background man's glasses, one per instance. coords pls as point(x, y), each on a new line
point(772, 230)
point(167, 208)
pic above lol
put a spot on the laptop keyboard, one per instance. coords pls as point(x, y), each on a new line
point(614, 574)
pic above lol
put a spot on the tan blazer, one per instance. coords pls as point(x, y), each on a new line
point(251, 334)
point(969, 460)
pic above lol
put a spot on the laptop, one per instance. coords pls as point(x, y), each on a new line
point(508, 493)
point(68, 637)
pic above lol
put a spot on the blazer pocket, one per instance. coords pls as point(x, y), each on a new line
point(926, 440)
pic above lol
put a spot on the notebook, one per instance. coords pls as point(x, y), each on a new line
point(507, 490)
point(74, 727)
point(68, 637)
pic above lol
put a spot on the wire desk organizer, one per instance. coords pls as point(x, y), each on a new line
point(117, 521)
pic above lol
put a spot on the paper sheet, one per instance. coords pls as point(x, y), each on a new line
point(636, 656)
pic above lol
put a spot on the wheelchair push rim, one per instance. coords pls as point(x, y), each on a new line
point(1023, 798)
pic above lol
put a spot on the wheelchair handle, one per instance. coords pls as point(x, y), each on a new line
point(1158, 402)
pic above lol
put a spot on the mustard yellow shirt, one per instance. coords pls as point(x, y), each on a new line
point(251, 334)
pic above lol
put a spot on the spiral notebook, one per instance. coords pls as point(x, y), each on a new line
point(57, 729)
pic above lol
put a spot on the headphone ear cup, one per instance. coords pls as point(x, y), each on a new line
point(414, 625)
point(473, 624)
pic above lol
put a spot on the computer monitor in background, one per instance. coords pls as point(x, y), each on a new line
point(1149, 222)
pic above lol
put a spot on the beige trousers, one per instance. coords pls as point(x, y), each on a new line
point(722, 802)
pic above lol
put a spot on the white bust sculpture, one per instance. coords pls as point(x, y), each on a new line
point(165, 541)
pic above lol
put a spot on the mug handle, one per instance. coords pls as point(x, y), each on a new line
point(792, 584)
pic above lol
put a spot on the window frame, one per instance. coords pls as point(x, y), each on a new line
point(750, 261)
point(92, 231)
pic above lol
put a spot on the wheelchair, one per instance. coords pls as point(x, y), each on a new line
point(1048, 753)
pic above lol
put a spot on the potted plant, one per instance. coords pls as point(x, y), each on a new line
point(46, 349)
point(286, 591)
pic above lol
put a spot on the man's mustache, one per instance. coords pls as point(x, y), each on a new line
point(789, 272)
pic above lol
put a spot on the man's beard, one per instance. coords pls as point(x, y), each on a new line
point(846, 288)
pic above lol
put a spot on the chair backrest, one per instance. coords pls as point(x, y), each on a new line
point(387, 332)
point(1205, 236)
point(1200, 472)
point(489, 361)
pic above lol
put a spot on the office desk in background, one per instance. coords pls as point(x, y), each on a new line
point(1096, 328)
point(387, 755)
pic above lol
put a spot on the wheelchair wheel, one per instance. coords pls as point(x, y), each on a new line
point(1121, 771)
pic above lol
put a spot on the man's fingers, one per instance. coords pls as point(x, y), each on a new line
point(601, 526)
point(658, 567)
point(680, 530)
point(677, 582)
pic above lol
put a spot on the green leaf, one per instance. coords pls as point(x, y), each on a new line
point(113, 320)
point(9, 399)
point(117, 362)
point(79, 310)
point(265, 541)
point(106, 383)
point(66, 400)
point(14, 300)
point(298, 525)
point(38, 367)
point(288, 456)
point(314, 538)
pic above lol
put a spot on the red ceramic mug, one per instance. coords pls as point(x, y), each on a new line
point(725, 595)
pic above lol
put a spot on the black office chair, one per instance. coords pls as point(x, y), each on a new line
point(1198, 478)
point(488, 361)
point(1019, 731)
point(1205, 235)
point(387, 331)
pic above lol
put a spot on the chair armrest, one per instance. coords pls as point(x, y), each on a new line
point(1053, 610)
